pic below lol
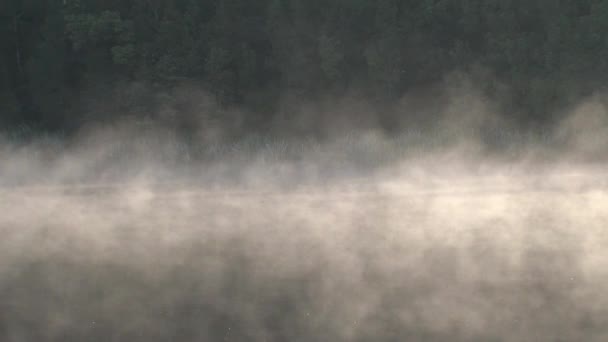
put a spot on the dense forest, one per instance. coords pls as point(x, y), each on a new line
point(252, 53)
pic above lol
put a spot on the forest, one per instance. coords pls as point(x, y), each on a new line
point(303, 170)
point(251, 54)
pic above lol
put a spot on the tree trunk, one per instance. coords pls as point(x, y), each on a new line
point(17, 43)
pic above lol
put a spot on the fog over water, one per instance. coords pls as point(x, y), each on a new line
point(127, 234)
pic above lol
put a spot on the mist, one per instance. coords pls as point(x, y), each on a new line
point(460, 228)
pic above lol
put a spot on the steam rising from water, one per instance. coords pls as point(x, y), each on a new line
point(362, 238)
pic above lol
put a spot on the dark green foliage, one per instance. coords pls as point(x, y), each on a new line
point(250, 53)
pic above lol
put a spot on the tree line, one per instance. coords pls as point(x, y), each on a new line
point(250, 53)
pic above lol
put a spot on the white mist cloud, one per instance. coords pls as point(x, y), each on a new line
point(366, 236)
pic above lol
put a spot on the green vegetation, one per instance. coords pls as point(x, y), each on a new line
point(56, 53)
